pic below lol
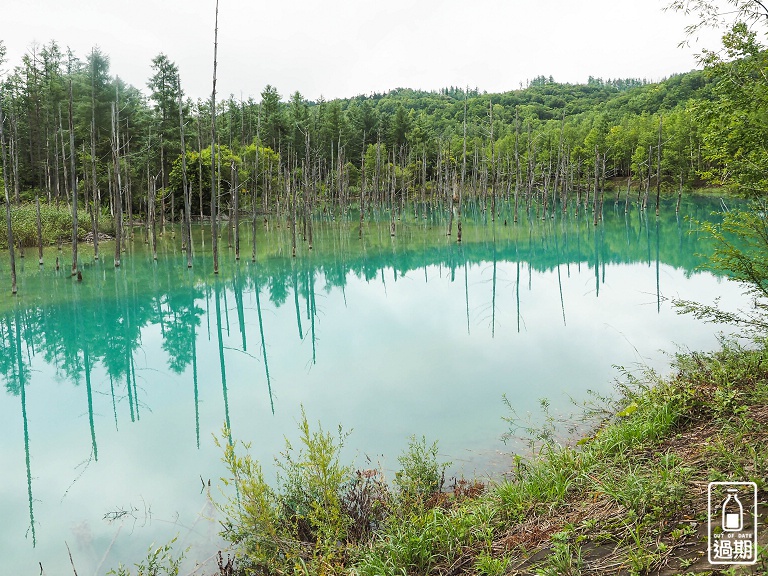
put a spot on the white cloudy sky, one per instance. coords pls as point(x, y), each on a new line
point(339, 48)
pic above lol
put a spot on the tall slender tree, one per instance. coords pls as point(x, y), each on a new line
point(214, 180)
point(186, 191)
point(166, 93)
point(5, 188)
point(94, 180)
point(117, 183)
point(74, 181)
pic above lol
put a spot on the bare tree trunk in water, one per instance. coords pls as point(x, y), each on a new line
point(63, 158)
point(152, 215)
point(292, 193)
point(626, 199)
point(74, 183)
point(658, 170)
point(118, 194)
point(14, 139)
point(94, 193)
point(7, 203)
point(362, 189)
point(162, 185)
point(236, 209)
point(127, 188)
point(146, 208)
point(96, 204)
point(392, 187)
point(648, 181)
point(253, 203)
point(39, 229)
point(595, 203)
point(200, 168)
point(463, 165)
point(186, 191)
point(214, 190)
point(493, 164)
point(517, 166)
point(450, 193)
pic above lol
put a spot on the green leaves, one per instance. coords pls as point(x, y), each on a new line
point(421, 475)
point(741, 253)
point(629, 410)
point(56, 223)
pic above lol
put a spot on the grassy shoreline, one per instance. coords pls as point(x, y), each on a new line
point(629, 499)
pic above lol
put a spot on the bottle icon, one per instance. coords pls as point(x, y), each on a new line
point(733, 512)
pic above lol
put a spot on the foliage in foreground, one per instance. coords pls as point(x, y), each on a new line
point(56, 224)
point(160, 561)
point(741, 253)
point(321, 512)
point(625, 496)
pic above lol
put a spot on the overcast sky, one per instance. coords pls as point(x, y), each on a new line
point(342, 48)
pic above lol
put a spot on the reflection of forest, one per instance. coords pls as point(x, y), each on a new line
point(73, 326)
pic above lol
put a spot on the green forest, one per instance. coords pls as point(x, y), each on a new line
point(548, 140)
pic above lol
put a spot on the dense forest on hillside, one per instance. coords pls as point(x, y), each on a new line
point(545, 133)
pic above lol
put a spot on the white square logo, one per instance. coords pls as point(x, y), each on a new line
point(732, 514)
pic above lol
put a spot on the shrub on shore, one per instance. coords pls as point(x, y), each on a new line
point(56, 223)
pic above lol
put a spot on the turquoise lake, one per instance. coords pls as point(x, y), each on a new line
point(114, 387)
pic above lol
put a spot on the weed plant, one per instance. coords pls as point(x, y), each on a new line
point(160, 561)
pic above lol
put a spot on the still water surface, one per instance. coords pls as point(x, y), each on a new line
point(115, 387)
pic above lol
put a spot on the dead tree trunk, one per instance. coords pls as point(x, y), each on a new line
point(253, 202)
point(117, 183)
point(517, 164)
point(39, 229)
point(63, 157)
point(236, 209)
point(186, 192)
point(493, 163)
point(127, 193)
point(292, 193)
point(7, 202)
point(200, 168)
point(94, 185)
point(14, 138)
point(151, 213)
point(74, 183)
point(658, 170)
point(362, 189)
point(162, 185)
point(595, 203)
point(214, 190)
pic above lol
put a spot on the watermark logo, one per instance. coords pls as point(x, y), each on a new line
point(732, 513)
